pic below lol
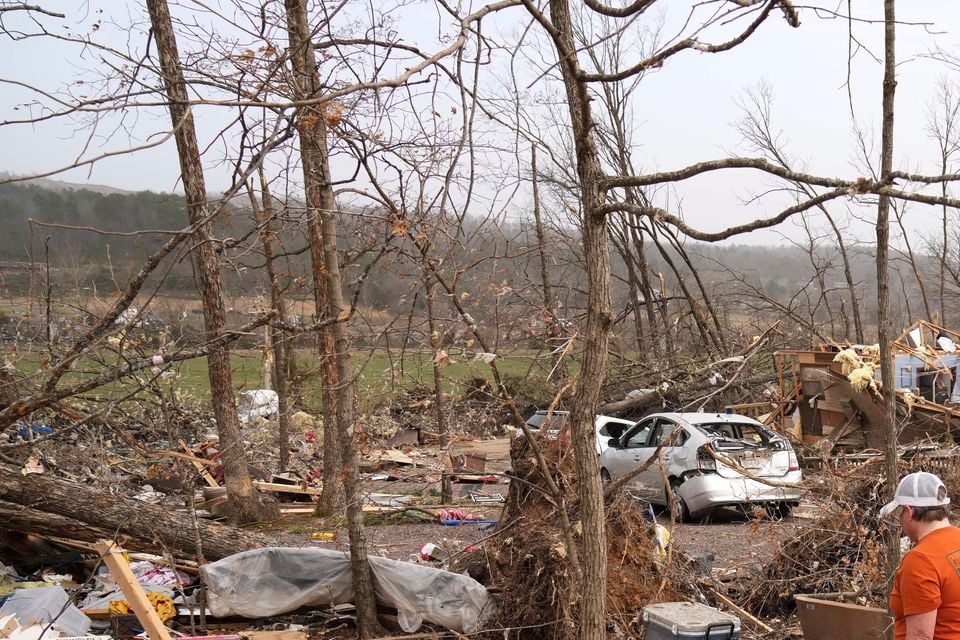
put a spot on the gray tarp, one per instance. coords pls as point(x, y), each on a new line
point(275, 580)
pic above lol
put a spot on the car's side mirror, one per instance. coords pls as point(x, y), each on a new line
point(614, 442)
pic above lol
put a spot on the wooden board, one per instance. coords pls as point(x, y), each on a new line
point(198, 464)
point(823, 619)
point(113, 557)
point(275, 635)
point(390, 456)
point(287, 488)
point(496, 449)
point(290, 509)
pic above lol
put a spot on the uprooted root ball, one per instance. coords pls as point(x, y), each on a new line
point(530, 563)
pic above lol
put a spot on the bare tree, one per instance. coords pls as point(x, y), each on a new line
point(245, 502)
point(883, 287)
point(758, 130)
point(943, 125)
point(278, 340)
point(314, 155)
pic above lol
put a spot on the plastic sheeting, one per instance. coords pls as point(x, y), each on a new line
point(43, 605)
point(276, 580)
point(425, 594)
point(256, 403)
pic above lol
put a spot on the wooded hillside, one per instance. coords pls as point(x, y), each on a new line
point(799, 278)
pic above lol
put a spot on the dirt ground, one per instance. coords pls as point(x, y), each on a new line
point(739, 543)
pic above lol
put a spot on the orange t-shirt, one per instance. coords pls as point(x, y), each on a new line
point(929, 578)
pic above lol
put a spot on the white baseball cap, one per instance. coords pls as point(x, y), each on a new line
point(920, 489)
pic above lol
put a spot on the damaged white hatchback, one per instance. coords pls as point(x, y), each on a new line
point(761, 467)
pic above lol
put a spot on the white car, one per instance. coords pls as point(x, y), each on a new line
point(606, 426)
point(699, 481)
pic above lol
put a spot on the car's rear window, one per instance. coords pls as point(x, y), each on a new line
point(556, 421)
point(753, 434)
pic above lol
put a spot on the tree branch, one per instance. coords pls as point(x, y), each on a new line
point(663, 217)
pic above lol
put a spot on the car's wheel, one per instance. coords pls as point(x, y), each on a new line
point(678, 506)
point(605, 476)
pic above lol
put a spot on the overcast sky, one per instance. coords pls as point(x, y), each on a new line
point(684, 116)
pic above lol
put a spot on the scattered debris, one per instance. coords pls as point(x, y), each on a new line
point(44, 606)
point(836, 392)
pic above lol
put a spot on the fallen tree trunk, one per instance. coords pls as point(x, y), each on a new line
point(636, 403)
point(677, 394)
point(73, 510)
point(17, 517)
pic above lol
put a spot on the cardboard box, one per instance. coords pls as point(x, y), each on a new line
point(820, 620)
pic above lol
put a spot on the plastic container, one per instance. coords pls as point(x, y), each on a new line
point(323, 535)
point(689, 621)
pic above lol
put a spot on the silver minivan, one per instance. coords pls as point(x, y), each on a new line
point(711, 460)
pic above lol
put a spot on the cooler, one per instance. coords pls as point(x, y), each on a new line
point(689, 621)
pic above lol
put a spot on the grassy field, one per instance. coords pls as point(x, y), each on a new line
point(380, 374)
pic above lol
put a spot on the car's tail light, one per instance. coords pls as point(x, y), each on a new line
point(794, 464)
point(705, 461)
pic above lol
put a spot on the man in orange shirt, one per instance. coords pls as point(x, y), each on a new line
point(925, 601)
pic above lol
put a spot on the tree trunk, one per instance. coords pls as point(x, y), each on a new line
point(79, 512)
point(312, 126)
point(443, 427)
point(848, 277)
point(944, 321)
point(709, 340)
point(707, 299)
point(883, 276)
point(621, 240)
point(650, 299)
point(246, 505)
point(593, 558)
point(552, 324)
point(276, 337)
point(914, 266)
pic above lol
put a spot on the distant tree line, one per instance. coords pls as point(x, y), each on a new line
point(94, 240)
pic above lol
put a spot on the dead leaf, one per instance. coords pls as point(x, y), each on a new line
point(442, 358)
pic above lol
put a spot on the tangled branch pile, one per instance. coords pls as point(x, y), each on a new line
point(843, 552)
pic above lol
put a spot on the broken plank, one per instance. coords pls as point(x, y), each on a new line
point(199, 466)
point(389, 455)
point(113, 557)
point(275, 635)
point(730, 604)
point(180, 564)
point(287, 488)
point(97, 614)
point(289, 509)
point(211, 503)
